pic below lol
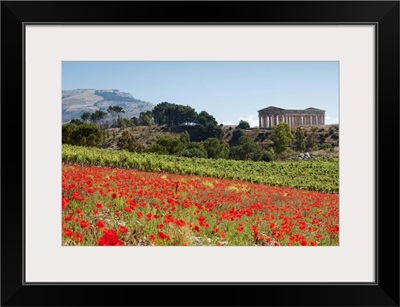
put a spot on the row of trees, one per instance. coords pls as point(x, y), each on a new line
point(200, 126)
point(99, 118)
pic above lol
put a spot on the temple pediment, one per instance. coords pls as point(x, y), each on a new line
point(271, 109)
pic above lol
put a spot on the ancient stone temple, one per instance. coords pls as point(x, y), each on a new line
point(271, 116)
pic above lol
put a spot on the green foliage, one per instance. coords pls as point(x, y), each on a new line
point(194, 150)
point(208, 126)
point(282, 137)
point(76, 121)
point(97, 118)
point(268, 156)
point(185, 138)
point(311, 140)
point(128, 142)
point(115, 112)
point(216, 149)
point(326, 146)
point(167, 145)
point(172, 114)
point(236, 135)
point(83, 135)
point(243, 125)
point(299, 139)
point(85, 116)
point(246, 150)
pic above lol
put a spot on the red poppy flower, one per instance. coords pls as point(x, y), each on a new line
point(84, 224)
point(163, 236)
point(100, 224)
point(110, 238)
point(68, 232)
point(123, 229)
point(65, 202)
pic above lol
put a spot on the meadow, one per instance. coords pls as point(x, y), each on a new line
point(128, 205)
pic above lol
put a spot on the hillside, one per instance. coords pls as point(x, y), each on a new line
point(76, 102)
point(148, 135)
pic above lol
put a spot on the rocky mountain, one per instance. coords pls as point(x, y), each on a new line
point(76, 102)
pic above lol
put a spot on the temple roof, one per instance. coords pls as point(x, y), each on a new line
point(272, 108)
point(315, 109)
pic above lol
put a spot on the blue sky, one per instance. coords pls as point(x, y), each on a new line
point(230, 91)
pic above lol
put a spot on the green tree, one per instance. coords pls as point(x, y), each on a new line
point(282, 137)
point(311, 140)
point(68, 133)
point(299, 139)
point(128, 142)
point(185, 138)
point(247, 149)
point(243, 125)
point(76, 121)
point(208, 126)
point(115, 112)
point(172, 114)
point(82, 135)
point(194, 150)
point(98, 117)
point(216, 149)
point(167, 145)
point(236, 135)
point(85, 116)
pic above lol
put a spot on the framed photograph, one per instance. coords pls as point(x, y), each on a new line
point(240, 147)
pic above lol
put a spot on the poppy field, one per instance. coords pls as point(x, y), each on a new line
point(125, 207)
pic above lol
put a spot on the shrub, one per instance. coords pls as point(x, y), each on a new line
point(82, 135)
point(268, 156)
point(326, 146)
point(128, 142)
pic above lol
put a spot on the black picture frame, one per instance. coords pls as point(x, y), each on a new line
point(383, 14)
